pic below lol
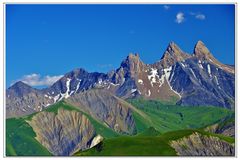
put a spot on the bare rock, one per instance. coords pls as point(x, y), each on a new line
point(202, 145)
point(63, 133)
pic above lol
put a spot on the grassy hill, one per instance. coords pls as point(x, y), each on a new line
point(20, 139)
point(143, 144)
point(20, 135)
point(151, 139)
point(166, 117)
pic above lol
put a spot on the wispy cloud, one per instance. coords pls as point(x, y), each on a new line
point(180, 17)
point(36, 79)
point(199, 16)
point(166, 7)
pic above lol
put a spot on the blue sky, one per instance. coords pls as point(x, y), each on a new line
point(44, 42)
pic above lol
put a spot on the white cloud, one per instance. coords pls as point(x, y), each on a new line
point(179, 17)
point(166, 7)
point(36, 79)
point(200, 16)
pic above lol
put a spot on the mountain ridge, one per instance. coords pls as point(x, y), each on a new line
point(178, 75)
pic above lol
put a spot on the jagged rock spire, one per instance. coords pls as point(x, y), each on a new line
point(201, 51)
point(173, 54)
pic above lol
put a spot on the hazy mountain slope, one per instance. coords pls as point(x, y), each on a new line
point(23, 100)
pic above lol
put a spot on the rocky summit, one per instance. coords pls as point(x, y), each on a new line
point(196, 79)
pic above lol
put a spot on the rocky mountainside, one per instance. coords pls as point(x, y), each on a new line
point(188, 79)
point(23, 100)
point(225, 127)
point(202, 145)
point(106, 108)
point(55, 133)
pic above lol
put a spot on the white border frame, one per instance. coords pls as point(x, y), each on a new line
point(2, 59)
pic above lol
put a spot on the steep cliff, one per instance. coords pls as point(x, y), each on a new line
point(63, 133)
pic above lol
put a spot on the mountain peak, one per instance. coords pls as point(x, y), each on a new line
point(201, 51)
point(132, 63)
point(20, 84)
point(20, 88)
point(173, 54)
point(173, 48)
point(132, 56)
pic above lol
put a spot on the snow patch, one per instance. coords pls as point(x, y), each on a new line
point(140, 81)
point(200, 64)
point(149, 93)
point(152, 76)
point(115, 84)
point(209, 70)
point(183, 64)
point(100, 81)
point(47, 104)
point(66, 94)
point(193, 73)
point(216, 80)
point(56, 98)
point(133, 90)
point(123, 80)
point(166, 75)
point(175, 92)
point(78, 85)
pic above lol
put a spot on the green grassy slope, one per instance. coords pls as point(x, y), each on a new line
point(20, 139)
point(20, 136)
point(166, 118)
point(151, 139)
point(152, 145)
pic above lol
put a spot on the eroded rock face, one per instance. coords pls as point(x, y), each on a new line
point(201, 145)
point(107, 108)
point(63, 134)
point(22, 100)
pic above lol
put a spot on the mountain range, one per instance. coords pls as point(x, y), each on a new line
point(198, 79)
point(183, 104)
